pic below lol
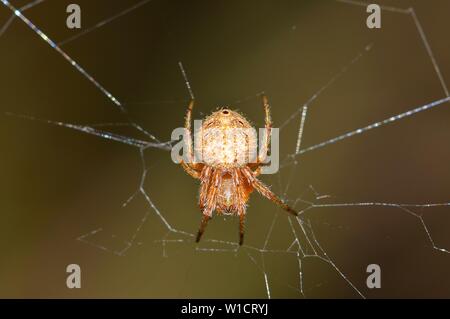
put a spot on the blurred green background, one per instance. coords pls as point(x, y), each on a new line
point(57, 184)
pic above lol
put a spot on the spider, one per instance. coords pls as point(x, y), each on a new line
point(225, 182)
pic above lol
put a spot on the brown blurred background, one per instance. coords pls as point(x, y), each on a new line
point(58, 184)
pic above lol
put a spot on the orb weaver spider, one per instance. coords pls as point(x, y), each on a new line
point(225, 183)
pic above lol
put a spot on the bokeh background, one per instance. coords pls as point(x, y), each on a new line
point(57, 184)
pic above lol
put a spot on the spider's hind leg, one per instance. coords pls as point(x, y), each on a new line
point(241, 198)
point(266, 192)
point(208, 197)
point(201, 230)
point(241, 213)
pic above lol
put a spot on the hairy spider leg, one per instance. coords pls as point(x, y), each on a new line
point(201, 230)
point(241, 206)
point(204, 185)
point(241, 213)
point(268, 129)
point(210, 203)
point(188, 132)
point(266, 192)
point(190, 167)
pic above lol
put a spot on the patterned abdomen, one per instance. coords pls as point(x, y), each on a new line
point(226, 147)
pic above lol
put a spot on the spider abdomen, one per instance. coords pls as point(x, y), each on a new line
point(226, 196)
point(226, 139)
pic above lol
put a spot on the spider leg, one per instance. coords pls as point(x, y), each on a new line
point(266, 192)
point(264, 148)
point(268, 129)
point(257, 168)
point(241, 213)
point(190, 166)
point(190, 169)
point(205, 220)
point(257, 171)
point(211, 199)
point(188, 132)
point(204, 184)
point(240, 204)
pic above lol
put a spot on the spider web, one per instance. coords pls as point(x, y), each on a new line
point(304, 244)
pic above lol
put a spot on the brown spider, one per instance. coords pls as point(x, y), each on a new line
point(225, 182)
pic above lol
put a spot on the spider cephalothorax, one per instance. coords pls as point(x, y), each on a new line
point(229, 163)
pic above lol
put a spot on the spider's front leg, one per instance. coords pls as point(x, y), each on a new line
point(264, 147)
point(262, 155)
point(190, 166)
point(188, 132)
